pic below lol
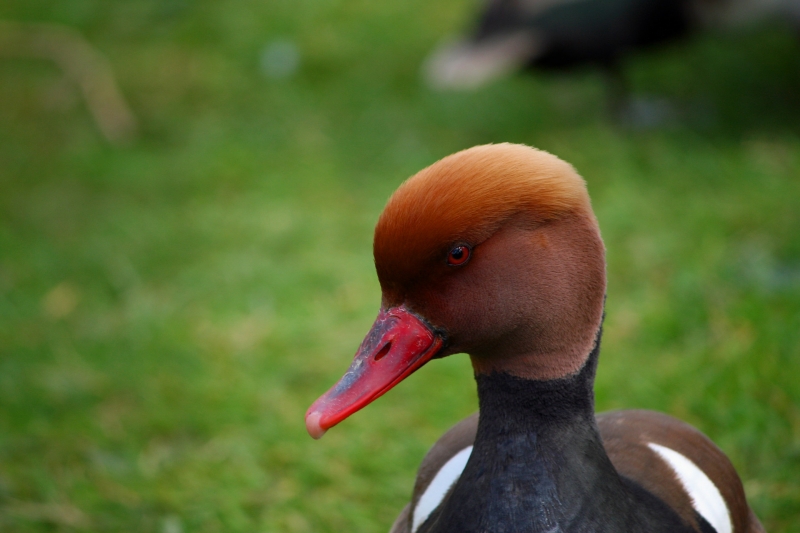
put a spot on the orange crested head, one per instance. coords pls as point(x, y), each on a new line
point(465, 198)
point(493, 251)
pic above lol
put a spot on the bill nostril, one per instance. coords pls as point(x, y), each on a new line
point(383, 351)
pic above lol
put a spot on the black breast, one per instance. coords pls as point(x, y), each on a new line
point(538, 465)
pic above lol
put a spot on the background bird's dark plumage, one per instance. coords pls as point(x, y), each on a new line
point(560, 35)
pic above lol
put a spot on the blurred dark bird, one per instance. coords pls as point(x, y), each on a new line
point(512, 35)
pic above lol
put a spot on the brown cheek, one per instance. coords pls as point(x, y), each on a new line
point(430, 300)
point(476, 305)
point(416, 293)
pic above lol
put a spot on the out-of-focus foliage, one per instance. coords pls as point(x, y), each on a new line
point(169, 310)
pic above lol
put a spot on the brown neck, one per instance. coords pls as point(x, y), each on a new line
point(558, 302)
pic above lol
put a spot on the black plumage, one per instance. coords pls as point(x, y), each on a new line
point(514, 35)
point(581, 32)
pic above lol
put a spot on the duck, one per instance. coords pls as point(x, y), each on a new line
point(561, 35)
point(495, 252)
point(511, 35)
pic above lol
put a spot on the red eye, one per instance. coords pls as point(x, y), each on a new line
point(458, 255)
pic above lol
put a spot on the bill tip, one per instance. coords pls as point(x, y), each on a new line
point(313, 426)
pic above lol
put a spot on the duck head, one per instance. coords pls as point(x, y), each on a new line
point(494, 252)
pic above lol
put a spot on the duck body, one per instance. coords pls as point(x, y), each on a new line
point(559, 35)
point(495, 252)
point(543, 449)
point(537, 451)
point(511, 35)
point(586, 32)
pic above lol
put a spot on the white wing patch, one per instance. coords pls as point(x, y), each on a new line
point(438, 488)
point(705, 496)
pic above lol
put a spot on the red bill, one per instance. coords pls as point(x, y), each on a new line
point(398, 344)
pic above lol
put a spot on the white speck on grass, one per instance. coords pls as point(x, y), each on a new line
point(280, 59)
point(171, 524)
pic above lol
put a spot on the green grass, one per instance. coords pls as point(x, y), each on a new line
point(169, 310)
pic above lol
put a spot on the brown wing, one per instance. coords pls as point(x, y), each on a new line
point(402, 523)
point(456, 439)
point(755, 525)
point(626, 437)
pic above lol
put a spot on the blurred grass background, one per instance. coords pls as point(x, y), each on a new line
point(168, 310)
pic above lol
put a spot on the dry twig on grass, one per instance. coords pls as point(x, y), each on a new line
point(81, 64)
